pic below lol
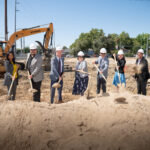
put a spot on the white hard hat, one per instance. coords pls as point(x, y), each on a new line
point(33, 46)
point(58, 48)
point(103, 50)
point(80, 53)
point(141, 51)
point(120, 52)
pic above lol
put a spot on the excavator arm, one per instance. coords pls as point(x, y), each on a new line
point(48, 35)
point(27, 32)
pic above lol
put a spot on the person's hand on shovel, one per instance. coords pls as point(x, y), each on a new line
point(100, 71)
point(57, 84)
point(30, 77)
point(60, 78)
point(13, 77)
point(73, 69)
point(114, 55)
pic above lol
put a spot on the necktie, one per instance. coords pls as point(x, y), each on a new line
point(59, 67)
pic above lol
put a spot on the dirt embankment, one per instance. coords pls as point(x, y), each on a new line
point(97, 124)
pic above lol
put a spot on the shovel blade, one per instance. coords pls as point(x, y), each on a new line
point(56, 85)
point(32, 90)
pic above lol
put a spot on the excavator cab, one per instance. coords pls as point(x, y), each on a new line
point(2, 47)
point(2, 56)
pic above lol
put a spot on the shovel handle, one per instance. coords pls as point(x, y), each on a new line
point(30, 81)
point(100, 72)
point(82, 72)
point(117, 68)
point(11, 83)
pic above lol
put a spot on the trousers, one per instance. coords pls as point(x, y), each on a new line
point(37, 87)
point(53, 91)
point(101, 83)
point(141, 86)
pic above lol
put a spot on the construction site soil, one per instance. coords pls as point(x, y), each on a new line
point(97, 123)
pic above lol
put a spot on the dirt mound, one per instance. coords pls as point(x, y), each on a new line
point(99, 123)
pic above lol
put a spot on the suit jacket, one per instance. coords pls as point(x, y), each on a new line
point(144, 70)
point(35, 67)
point(9, 71)
point(54, 75)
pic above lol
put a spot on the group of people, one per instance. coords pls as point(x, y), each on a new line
point(35, 72)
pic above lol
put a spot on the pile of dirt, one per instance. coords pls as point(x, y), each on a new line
point(100, 123)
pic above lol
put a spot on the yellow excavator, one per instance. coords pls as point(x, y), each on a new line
point(27, 32)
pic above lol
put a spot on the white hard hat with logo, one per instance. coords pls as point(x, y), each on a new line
point(120, 52)
point(80, 53)
point(141, 51)
point(58, 48)
point(33, 46)
point(103, 50)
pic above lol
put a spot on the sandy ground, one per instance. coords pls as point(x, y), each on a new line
point(99, 123)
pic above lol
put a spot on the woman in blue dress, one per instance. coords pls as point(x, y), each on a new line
point(119, 70)
point(81, 78)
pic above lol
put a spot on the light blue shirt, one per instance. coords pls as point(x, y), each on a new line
point(103, 64)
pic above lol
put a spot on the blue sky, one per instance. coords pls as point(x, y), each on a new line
point(72, 17)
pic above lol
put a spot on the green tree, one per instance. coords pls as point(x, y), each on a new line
point(65, 47)
point(96, 39)
point(26, 50)
point(88, 40)
point(125, 41)
point(112, 42)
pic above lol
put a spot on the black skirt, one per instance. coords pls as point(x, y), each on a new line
point(80, 85)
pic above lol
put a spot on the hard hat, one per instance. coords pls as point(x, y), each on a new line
point(80, 54)
point(103, 50)
point(58, 48)
point(120, 52)
point(33, 46)
point(141, 51)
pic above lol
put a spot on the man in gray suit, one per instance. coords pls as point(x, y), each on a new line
point(34, 66)
point(57, 70)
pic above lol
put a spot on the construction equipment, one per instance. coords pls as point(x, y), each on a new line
point(27, 32)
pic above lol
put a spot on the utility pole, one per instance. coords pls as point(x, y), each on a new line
point(24, 42)
point(21, 45)
point(6, 31)
point(15, 22)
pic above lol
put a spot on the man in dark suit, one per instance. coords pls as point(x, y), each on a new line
point(143, 75)
point(57, 70)
point(34, 66)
